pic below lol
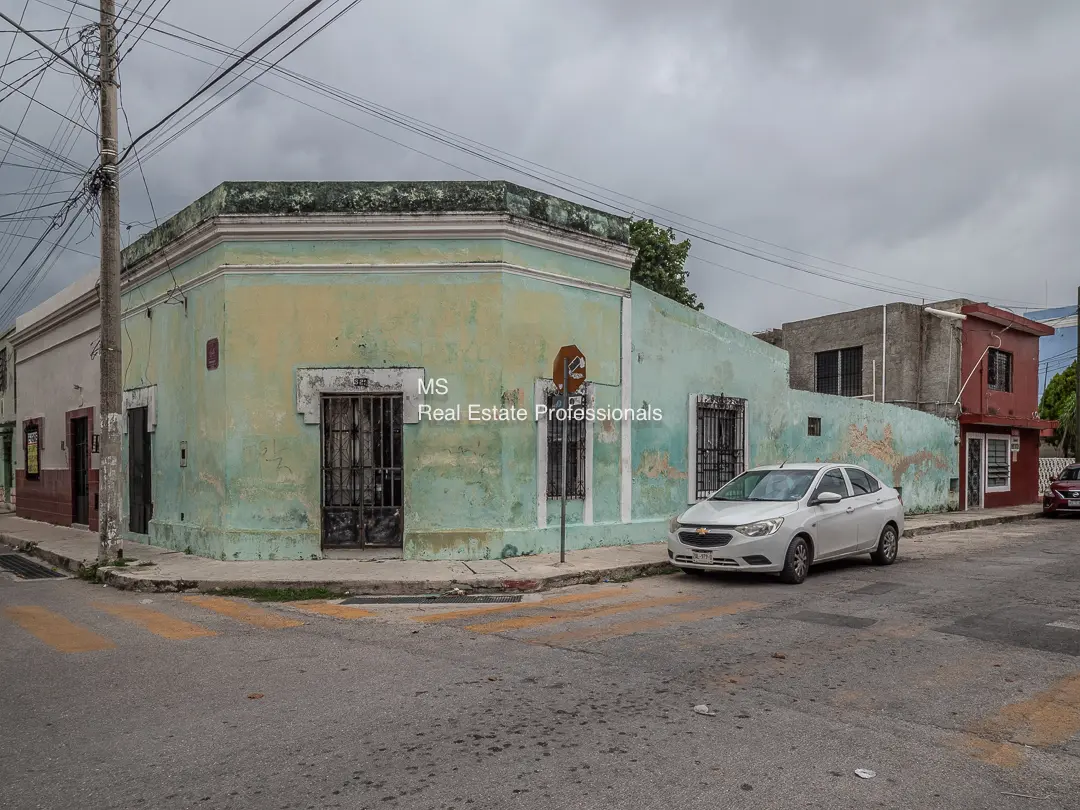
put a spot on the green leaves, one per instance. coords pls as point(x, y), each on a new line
point(660, 260)
point(1059, 402)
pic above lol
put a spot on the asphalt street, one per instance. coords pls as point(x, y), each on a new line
point(953, 675)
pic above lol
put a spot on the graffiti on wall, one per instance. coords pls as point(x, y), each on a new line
point(858, 444)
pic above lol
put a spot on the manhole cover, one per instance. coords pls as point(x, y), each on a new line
point(26, 569)
point(429, 600)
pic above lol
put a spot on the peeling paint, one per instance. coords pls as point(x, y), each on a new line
point(657, 463)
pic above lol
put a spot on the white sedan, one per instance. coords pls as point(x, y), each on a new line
point(785, 518)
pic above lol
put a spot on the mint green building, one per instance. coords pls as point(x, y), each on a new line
point(302, 361)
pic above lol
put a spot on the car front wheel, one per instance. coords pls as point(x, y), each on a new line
point(797, 562)
point(888, 543)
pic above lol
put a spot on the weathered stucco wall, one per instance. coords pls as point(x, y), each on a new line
point(167, 349)
point(678, 351)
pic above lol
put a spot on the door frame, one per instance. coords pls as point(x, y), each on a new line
point(74, 465)
point(147, 481)
point(360, 486)
point(981, 439)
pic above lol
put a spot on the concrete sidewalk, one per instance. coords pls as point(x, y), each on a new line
point(149, 568)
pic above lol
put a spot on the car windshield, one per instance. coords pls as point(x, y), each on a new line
point(1070, 474)
point(767, 485)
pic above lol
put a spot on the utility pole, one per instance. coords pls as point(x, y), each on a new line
point(111, 416)
point(1076, 408)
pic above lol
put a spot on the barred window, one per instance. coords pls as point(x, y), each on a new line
point(840, 371)
point(997, 464)
point(999, 370)
point(575, 449)
point(721, 442)
point(3, 370)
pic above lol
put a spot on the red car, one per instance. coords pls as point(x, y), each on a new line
point(1064, 493)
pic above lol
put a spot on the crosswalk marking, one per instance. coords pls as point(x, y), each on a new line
point(157, 622)
point(642, 625)
point(56, 631)
point(243, 612)
point(335, 610)
point(523, 622)
point(568, 599)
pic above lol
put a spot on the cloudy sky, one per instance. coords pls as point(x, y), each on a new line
point(864, 151)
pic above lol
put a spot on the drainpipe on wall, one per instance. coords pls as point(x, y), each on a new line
point(884, 318)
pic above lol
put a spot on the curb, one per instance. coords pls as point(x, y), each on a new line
point(122, 579)
point(972, 523)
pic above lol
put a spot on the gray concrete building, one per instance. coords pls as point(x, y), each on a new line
point(906, 354)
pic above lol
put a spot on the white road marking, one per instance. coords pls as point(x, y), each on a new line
point(1066, 625)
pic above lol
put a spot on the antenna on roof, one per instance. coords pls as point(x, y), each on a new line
point(782, 463)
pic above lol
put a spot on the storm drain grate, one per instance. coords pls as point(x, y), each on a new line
point(429, 600)
point(26, 569)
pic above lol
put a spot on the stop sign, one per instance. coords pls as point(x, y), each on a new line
point(574, 362)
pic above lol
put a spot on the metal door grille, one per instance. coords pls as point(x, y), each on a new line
point(721, 442)
point(361, 471)
point(974, 473)
point(575, 449)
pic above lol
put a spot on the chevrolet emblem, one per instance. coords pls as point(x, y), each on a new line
point(702, 531)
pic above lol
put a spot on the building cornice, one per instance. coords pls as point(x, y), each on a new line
point(234, 228)
point(368, 227)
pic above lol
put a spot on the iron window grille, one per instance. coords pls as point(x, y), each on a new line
point(575, 450)
point(3, 370)
point(840, 371)
point(999, 370)
point(721, 442)
point(997, 464)
point(813, 426)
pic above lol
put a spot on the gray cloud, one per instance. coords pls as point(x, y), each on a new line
point(936, 144)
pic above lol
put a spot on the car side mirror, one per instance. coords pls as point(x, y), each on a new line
point(825, 497)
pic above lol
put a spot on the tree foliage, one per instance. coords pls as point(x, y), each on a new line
point(660, 260)
point(1059, 402)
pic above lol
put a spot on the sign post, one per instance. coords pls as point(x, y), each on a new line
point(568, 376)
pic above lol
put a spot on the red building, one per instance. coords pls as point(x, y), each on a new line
point(999, 404)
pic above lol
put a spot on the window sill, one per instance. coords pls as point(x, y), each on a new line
point(1006, 488)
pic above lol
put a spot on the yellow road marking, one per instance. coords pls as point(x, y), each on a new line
point(56, 631)
point(335, 610)
point(523, 622)
point(1050, 717)
point(643, 625)
point(568, 599)
point(243, 612)
point(157, 622)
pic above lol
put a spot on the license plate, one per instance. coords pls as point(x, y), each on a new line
point(703, 556)
point(1074, 502)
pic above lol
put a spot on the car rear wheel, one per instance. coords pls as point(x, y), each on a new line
point(888, 543)
point(797, 562)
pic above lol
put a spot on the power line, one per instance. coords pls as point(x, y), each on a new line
point(220, 76)
point(417, 126)
point(14, 36)
point(412, 124)
point(161, 145)
point(146, 28)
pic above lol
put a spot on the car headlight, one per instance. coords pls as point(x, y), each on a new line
point(762, 528)
point(673, 524)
